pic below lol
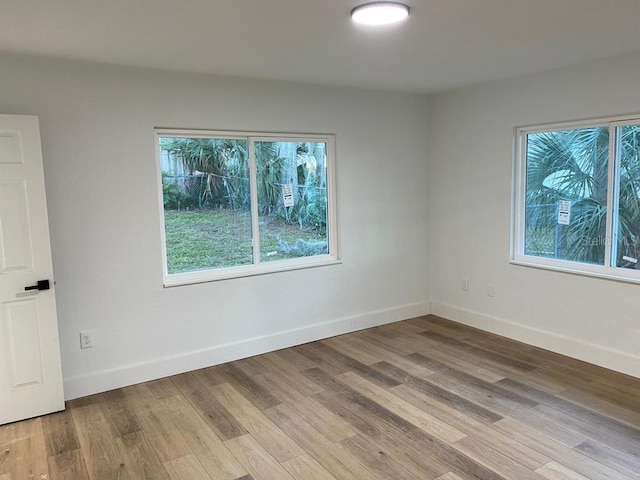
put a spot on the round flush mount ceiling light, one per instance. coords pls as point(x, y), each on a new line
point(380, 13)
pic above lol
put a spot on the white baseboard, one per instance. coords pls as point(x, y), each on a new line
point(105, 380)
point(596, 354)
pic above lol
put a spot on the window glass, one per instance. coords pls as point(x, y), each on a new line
point(566, 194)
point(207, 203)
point(292, 199)
point(627, 208)
point(242, 204)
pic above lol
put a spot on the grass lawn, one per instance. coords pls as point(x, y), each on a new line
point(207, 239)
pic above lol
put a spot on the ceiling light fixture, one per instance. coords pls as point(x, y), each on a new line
point(379, 13)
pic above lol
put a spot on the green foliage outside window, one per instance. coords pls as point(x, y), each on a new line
point(573, 165)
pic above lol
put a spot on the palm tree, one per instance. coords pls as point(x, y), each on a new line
point(572, 165)
point(220, 164)
point(629, 196)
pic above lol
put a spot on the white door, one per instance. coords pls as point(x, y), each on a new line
point(30, 369)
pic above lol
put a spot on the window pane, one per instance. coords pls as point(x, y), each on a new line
point(292, 199)
point(207, 203)
point(566, 194)
point(628, 201)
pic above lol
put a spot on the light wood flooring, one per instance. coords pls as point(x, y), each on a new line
point(420, 399)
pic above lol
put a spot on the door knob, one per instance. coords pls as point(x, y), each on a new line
point(41, 285)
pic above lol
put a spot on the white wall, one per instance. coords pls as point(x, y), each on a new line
point(98, 145)
point(470, 155)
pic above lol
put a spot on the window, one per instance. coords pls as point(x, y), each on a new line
point(577, 198)
point(238, 204)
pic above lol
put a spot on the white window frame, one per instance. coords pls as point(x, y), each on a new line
point(518, 208)
point(257, 268)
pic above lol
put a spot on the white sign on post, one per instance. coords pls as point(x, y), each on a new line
point(564, 212)
point(287, 195)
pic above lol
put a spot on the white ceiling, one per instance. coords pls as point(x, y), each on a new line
point(444, 44)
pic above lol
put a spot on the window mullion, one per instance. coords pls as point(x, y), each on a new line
point(610, 233)
point(522, 195)
point(253, 188)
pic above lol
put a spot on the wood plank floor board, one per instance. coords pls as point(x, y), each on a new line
point(119, 413)
point(374, 354)
point(618, 396)
point(460, 364)
point(549, 446)
point(484, 398)
point(395, 329)
point(68, 465)
point(501, 370)
point(279, 445)
point(370, 410)
point(186, 468)
point(469, 379)
point(354, 416)
point(614, 435)
point(305, 467)
point(59, 433)
point(480, 352)
point(251, 366)
point(354, 365)
point(381, 462)
point(510, 447)
point(449, 476)
point(100, 451)
point(593, 417)
point(285, 386)
point(293, 357)
point(444, 411)
point(453, 459)
point(487, 341)
point(337, 461)
point(599, 405)
point(141, 457)
point(256, 459)
point(278, 362)
point(415, 455)
point(392, 431)
point(209, 375)
point(427, 387)
point(397, 345)
point(245, 385)
point(628, 465)
point(201, 439)
point(556, 471)
point(156, 424)
point(28, 451)
point(424, 399)
point(494, 460)
point(361, 351)
point(421, 419)
point(162, 388)
point(550, 427)
point(214, 413)
point(318, 417)
point(315, 354)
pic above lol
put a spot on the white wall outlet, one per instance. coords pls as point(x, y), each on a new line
point(86, 340)
point(491, 291)
point(465, 284)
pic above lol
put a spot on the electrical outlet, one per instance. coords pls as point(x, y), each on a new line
point(86, 340)
point(490, 290)
point(465, 284)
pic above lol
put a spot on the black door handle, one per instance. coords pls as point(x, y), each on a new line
point(41, 285)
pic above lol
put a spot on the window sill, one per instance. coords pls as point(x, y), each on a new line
point(596, 271)
point(204, 276)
